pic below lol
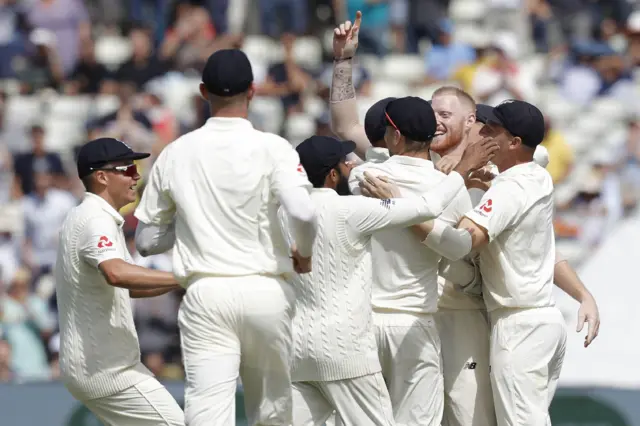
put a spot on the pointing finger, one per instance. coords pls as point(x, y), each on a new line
point(358, 19)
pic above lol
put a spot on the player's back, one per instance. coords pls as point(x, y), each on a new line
point(219, 177)
point(405, 271)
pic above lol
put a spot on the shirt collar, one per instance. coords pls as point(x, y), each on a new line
point(520, 169)
point(376, 155)
point(102, 203)
point(231, 123)
point(323, 191)
point(411, 161)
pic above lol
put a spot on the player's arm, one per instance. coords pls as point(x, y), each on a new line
point(369, 215)
point(343, 105)
point(156, 211)
point(98, 247)
point(141, 294)
point(154, 239)
point(460, 272)
point(289, 183)
point(566, 278)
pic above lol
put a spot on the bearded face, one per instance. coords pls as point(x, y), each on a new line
point(451, 116)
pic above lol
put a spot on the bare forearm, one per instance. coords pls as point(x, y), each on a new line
point(342, 83)
point(141, 294)
point(565, 277)
point(122, 274)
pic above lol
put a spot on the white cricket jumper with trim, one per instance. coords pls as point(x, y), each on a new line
point(99, 349)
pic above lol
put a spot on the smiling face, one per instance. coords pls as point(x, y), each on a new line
point(454, 117)
point(120, 180)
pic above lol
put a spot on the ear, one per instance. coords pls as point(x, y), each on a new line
point(100, 177)
point(471, 119)
point(516, 142)
point(203, 92)
point(333, 175)
point(251, 92)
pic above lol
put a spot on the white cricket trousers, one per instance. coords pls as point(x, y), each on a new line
point(468, 400)
point(360, 401)
point(146, 404)
point(234, 326)
point(409, 351)
point(527, 350)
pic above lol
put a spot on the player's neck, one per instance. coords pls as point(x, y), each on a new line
point(417, 154)
point(105, 196)
point(231, 111)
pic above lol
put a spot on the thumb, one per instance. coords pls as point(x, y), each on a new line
point(581, 320)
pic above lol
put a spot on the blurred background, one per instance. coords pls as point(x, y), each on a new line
point(72, 70)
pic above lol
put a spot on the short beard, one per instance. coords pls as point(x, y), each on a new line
point(441, 145)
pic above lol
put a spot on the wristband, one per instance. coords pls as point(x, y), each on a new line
point(342, 59)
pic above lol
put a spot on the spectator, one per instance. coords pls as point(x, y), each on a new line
point(38, 160)
point(189, 42)
point(286, 80)
point(69, 21)
point(6, 373)
point(89, 76)
point(283, 16)
point(423, 19)
point(42, 69)
point(12, 41)
point(560, 153)
point(631, 167)
point(44, 211)
point(446, 56)
point(26, 323)
point(501, 78)
point(9, 249)
point(580, 82)
point(144, 65)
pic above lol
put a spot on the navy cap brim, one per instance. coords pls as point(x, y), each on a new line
point(348, 147)
point(485, 114)
point(133, 156)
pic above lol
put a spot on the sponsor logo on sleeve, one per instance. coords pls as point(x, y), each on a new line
point(485, 208)
point(104, 242)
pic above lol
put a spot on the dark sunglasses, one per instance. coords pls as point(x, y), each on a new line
point(131, 170)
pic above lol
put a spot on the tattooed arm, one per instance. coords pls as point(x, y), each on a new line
point(343, 106)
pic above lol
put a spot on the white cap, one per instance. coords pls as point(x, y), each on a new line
point(541, 156)
point(42, 37)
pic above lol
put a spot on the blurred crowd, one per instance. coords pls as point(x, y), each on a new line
point(72, 70)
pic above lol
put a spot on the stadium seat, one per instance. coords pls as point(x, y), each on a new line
point(403, 68)
point(314, 106)
point(372, 64)
point(608, 109)
point(112, 51)
point(467, 10)
point(70, 107)
point(260, 48)
point(385, 88)
point(307, 52)
point(105, 104)
point(471, 34)
point(298, 127)
point(270, 112)
point(22, 111)
point(560, 110)
point(62, 135)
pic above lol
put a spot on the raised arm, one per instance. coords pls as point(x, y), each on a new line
point(343, 105)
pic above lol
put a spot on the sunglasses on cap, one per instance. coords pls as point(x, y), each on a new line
point(130, 170)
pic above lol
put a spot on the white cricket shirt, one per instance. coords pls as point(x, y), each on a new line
point(517, 265)
point(405, 271)
point(99, 350)
point(221, 183)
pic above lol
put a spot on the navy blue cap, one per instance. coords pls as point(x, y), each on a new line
point(375, 123)
point(484, 113)
point(99, 152)
point(521, 119)
point(413, 117)
point(320, 154)
point(227, 72)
